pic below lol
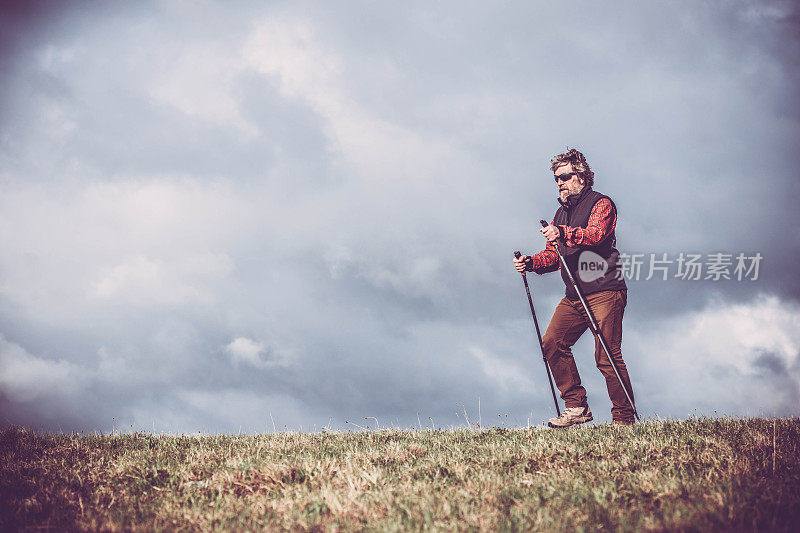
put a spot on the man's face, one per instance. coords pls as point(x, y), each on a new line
point(573, 185)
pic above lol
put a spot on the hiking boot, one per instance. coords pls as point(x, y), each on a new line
point(570, 416)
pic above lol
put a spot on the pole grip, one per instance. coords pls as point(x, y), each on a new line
point(544, 223)
point(517, 255)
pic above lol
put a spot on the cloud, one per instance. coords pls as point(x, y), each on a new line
point(244, 411)
point(25, 378)
point(242, 350)
point(505, 374)
point(245, 350)
point(288, 49)
point(212, 213)
point(143, 281)
point(200, 82)
point(733, 358)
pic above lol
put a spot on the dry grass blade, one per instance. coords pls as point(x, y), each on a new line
point(700, 474)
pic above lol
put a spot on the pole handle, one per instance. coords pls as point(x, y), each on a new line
point(544, 223)
point(517, 255)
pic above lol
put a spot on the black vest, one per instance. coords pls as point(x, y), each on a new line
point(592, 273)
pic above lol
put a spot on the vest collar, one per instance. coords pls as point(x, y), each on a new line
point(574, 199)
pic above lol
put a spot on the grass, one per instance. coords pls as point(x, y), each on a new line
point(693, 475)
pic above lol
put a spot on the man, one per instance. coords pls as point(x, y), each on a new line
point(584, 227)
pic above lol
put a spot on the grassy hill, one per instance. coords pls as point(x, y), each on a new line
point(694, 475)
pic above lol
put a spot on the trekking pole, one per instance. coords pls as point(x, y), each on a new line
point(539, 334)
point(592, 323)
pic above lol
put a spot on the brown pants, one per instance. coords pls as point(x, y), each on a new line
point(567, 325)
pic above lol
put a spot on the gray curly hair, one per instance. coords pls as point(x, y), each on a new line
point(579, 164)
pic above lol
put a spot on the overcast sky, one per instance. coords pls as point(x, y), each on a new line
point(216, 215)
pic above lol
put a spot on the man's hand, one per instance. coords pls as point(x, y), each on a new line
point(519, 264)
point(551, 232)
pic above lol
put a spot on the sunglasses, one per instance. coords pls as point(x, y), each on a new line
point(565, 177)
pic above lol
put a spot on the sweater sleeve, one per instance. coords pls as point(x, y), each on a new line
point(544, 261)
point(602, 221)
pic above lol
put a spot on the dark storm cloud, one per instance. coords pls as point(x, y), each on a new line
point(19, 22)
point(306, 213)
